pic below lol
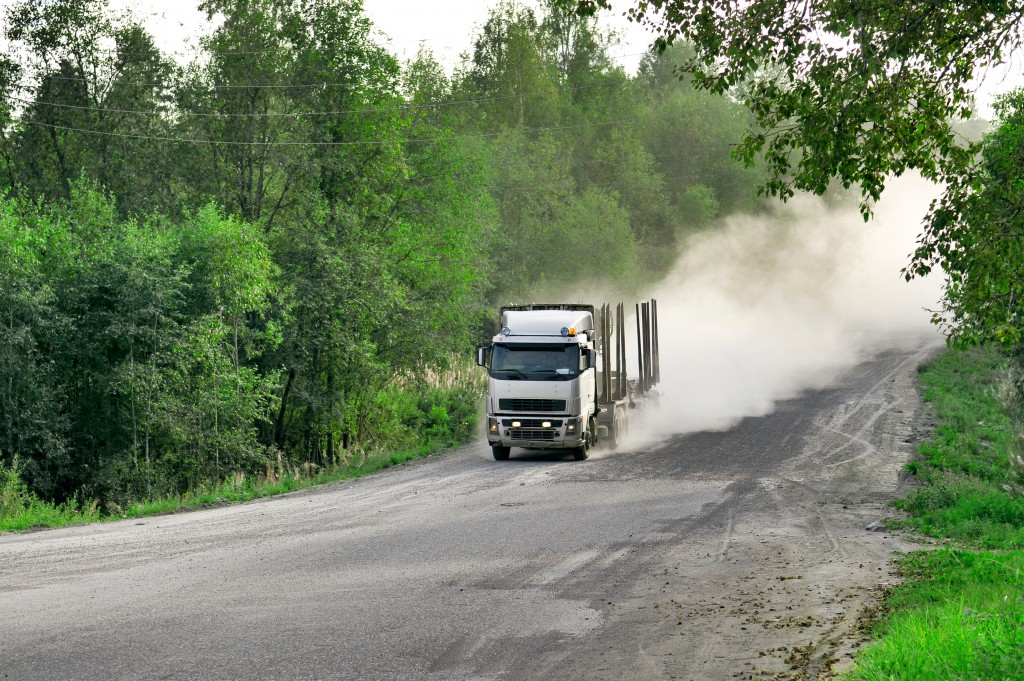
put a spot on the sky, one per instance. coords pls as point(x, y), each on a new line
point(447, 27)
point(444, 26)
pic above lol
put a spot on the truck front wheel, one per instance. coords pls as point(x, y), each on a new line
point(500, 453)
point(589, 437)
point(582, 452)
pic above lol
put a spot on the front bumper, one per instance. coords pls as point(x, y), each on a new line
point(532, 432)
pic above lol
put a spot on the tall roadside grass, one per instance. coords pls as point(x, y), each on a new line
point(20, 509)
point(959, 613)
point(412, 417)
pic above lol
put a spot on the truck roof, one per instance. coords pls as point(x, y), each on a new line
point(546, 322)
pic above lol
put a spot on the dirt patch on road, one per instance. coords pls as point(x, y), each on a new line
point(780, 578)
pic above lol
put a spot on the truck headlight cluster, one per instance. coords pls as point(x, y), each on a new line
point(492, 425)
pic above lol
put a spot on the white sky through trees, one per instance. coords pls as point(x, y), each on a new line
point(444, 26)
point(447, 27)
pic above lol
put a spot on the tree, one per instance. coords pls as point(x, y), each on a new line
point(10, 76)
point(240, 104)
point(859, 91)
point(508, 69)
point(691, 134)
point(33, 420)
point(575, 42)
point(981, 227)
point(93, 92)
point(851, 90)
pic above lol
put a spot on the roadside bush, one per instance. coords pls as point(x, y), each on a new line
point(20, 509)
point(408, 416)
point(14, 495)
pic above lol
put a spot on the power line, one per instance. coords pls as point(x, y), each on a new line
point(354, 143)
point(343, 112)
point(232, 53)
point(374, 34)
point(299, 86)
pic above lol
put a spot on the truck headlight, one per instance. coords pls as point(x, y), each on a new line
point(492, 425)
point(516, 424)
point(571, 425)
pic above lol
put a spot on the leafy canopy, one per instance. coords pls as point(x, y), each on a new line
point(854, 90)
point(979, 228)
point(861, 90)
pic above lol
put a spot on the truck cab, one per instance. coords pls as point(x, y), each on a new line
point(557, 380)
point(542, 380)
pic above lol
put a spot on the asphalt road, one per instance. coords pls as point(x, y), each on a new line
point(739, 554)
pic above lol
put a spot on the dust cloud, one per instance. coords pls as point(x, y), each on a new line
point(766, 307)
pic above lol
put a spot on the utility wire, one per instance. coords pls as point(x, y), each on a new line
point(113, 51)
point(354, 143)
point(295, 86)
point(343, 112)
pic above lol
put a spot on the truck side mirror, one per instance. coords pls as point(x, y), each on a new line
point(483, 355)
point(588, 360)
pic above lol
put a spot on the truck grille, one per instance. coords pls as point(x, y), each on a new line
point(533, 423)
point(517, 404)
point(533, 434)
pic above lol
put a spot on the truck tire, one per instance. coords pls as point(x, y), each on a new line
point(500, 453)
point(583, 451)
point(619, 429)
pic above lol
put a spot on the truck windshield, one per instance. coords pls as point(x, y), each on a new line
point(536, 362)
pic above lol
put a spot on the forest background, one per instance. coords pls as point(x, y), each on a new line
point(279, 255)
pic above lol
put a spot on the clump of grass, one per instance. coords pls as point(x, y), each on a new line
point(246, 488)
point(969, 469)
point(959, 614)
point(20, 509)
point(967, 511)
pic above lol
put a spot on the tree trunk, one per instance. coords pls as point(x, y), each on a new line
point(279, 422)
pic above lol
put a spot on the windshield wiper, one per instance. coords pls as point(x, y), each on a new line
point(517, 372)
point(553, 374)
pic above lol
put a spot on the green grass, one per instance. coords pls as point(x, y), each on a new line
point(419, 415)
point(246, 488)
point(21, 510)
point(971, 477)
point(959, 614)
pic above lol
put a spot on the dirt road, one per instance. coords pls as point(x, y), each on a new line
point(710, 556)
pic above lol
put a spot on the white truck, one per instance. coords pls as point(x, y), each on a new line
point(557, 375)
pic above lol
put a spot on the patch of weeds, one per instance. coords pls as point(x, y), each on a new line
point(20, 509)
point(959, 613)
point(969, 469)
